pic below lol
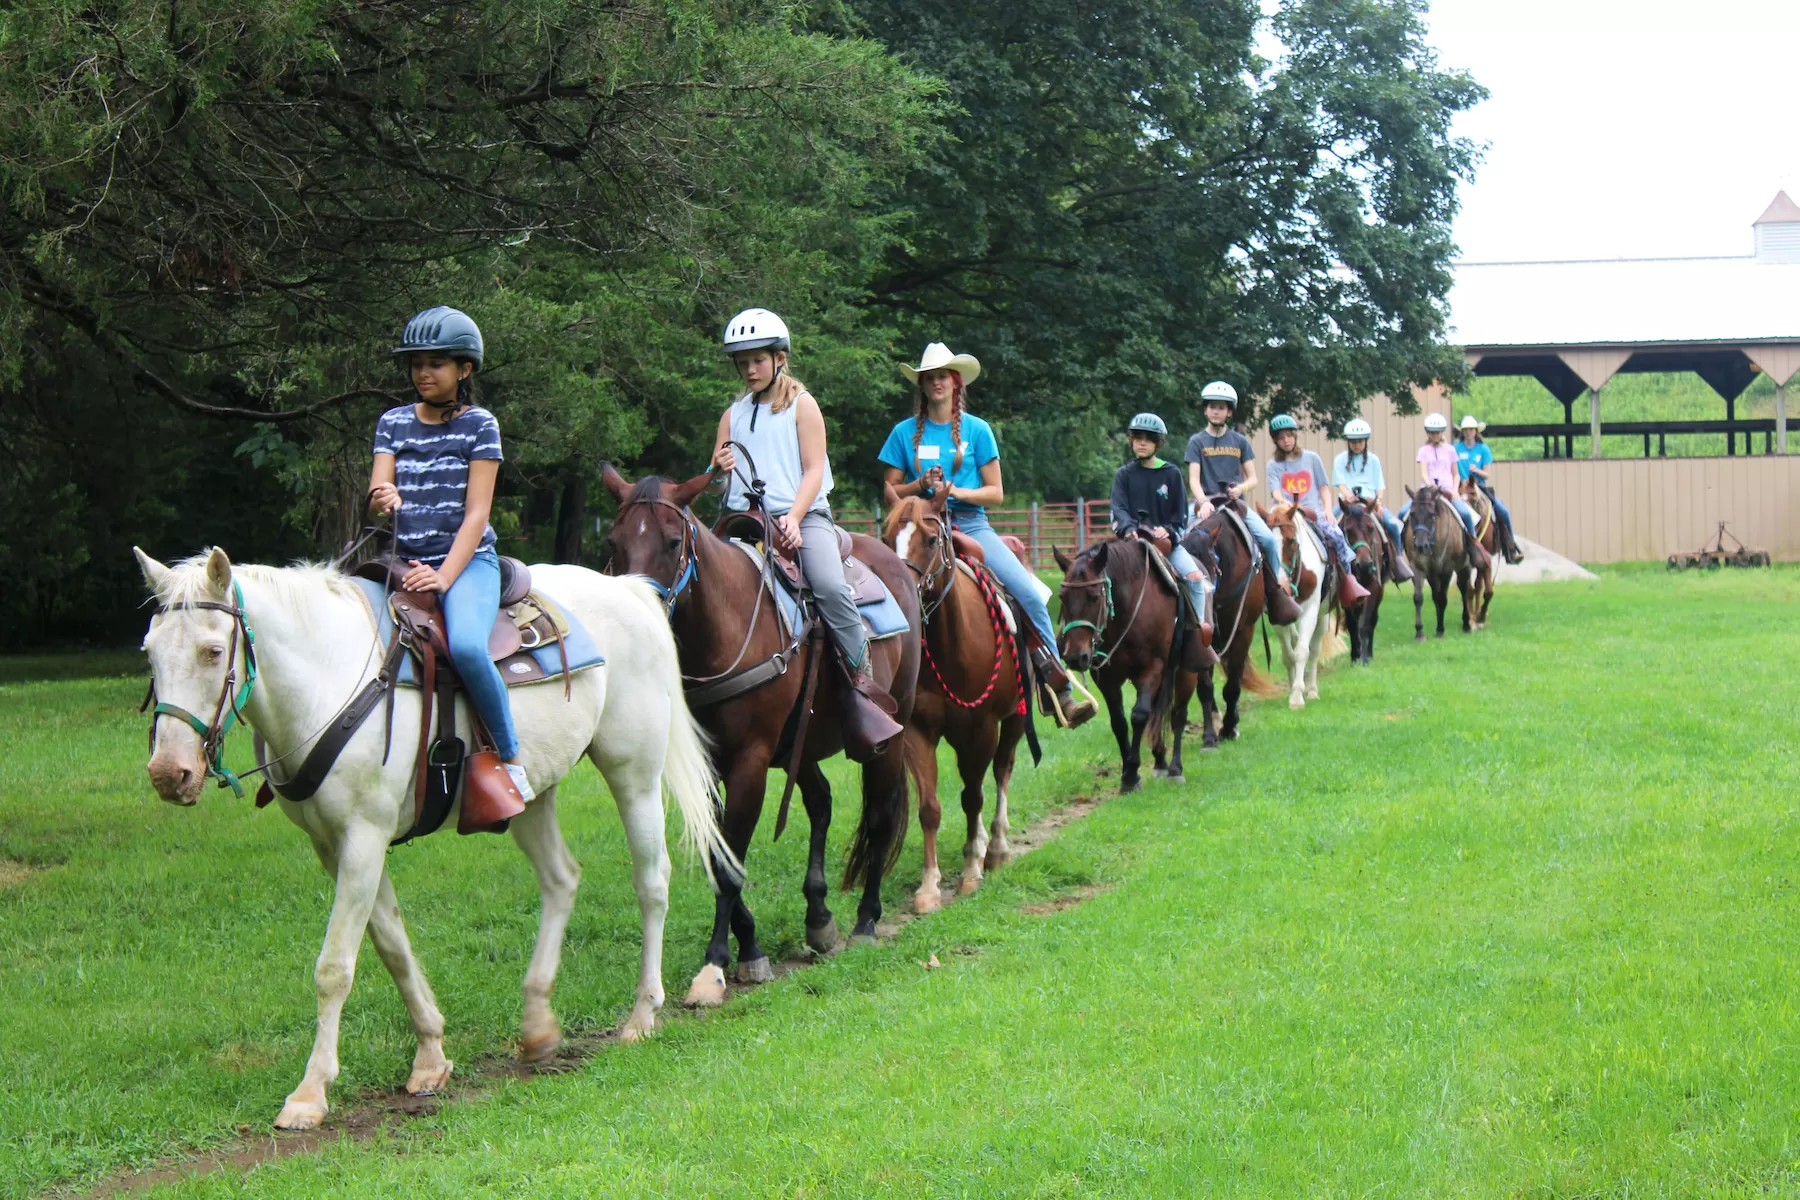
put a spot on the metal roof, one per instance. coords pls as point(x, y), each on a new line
point(1624, 302)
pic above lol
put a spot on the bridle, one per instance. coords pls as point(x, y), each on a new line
point(1102, 656)
point(686, 567)
point(943, 563)
point(228, 710)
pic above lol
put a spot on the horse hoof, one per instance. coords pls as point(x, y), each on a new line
point(1312, 693)
point(826, 939)
point(537, 1047)
point(1173, 778)
point(996, 858)
point(1159, 772)
point(757, 970)
point(1129, 786)
point(927, 901)
point(1296, 702)
point(1230, 735)
point(970, 882)
point(296, 1116)
point(708, 988)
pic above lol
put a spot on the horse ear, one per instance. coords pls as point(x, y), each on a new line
point(1409, 492)
point(218, 571)
point(154, 572)
point(684, 494)
point(1062, 560)
point(615, 482)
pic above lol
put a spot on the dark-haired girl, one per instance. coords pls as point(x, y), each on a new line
point(436, 462)
point(942, 445)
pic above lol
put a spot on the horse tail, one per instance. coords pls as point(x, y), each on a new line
point(688, 775)
point(898, 806)
point(1256, 683)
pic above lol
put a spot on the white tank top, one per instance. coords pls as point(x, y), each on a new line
point(775, 445)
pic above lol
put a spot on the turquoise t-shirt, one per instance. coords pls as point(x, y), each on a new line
point(937, 450)
point(1477, 455)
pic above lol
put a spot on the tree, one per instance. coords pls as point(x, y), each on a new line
point(1135, 203)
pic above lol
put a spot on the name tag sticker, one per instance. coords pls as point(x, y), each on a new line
point(928, 453)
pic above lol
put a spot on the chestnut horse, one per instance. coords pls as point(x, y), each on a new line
point(727, 626)
point(1374, 566)
point(1237, 606)
point(1487, 534)
point(1121, 621)
point(1437, 545)
point(972, 689)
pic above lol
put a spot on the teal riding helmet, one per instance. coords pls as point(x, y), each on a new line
point(1283, 422)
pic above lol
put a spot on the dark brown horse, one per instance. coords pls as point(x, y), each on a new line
point(1373, 567)
point(1437, 546)
point(1220, 543)
point(1121, 621)
point(972, 690)
point(728, 628)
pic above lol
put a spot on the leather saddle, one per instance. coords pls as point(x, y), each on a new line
point(508, 636)
point(865, 587)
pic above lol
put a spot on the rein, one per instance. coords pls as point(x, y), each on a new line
point(228, 711)
point(1102, 656)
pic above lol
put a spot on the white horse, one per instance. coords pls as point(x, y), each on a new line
point(315, 645)
point(1303, 641)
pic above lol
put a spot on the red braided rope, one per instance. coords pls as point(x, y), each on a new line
point(991, 597)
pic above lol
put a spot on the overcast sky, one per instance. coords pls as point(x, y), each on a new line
point(1624, 127)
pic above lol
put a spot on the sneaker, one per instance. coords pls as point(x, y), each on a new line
point(519, 780)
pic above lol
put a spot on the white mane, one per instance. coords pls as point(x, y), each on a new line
point(293, 587)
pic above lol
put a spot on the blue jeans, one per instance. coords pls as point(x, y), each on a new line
point(1504, 515)
point(1197, 589)
point(1013, 575)
point(1265, 537)
point(1337, 543)
point(470, 607)
point(1462, 510)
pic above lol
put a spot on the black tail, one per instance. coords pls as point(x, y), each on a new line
point(879, 812)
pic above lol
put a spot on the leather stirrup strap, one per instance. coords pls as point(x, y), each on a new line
point(422, 765)
point(817, 638)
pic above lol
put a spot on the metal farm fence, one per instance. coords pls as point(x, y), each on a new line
point(1071, 525)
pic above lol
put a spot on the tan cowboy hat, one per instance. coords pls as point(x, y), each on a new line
point(1469, 422)
point(937, 357)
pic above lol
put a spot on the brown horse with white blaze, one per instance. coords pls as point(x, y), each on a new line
point(972, 689)
point(728, 628)
point(1122, 622)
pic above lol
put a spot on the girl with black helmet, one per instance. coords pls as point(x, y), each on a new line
point(1149, 498)
point(436, 462)
point(778, 422)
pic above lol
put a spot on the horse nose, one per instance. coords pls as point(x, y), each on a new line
point(174, 782)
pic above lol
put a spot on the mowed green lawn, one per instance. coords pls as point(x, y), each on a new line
point(1511, 914)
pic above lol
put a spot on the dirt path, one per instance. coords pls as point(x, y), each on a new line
point(373, 1111)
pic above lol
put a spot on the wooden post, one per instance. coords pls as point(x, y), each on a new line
point(1080, 524)
point(1730, 433)
point(1036, 555)
point(1781, 419)
point(1593, 422)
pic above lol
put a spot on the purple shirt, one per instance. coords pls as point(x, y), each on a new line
point(1440, 464)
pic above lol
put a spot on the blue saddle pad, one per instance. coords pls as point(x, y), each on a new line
point(883, 618)
point(583, 653)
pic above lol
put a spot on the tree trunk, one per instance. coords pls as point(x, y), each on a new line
point(571, 514)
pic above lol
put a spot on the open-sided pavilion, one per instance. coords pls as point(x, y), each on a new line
point(1575, 326)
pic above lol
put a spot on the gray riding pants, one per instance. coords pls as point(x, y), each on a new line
point(824, 572)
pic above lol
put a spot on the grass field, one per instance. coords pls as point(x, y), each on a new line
point(1504, 915)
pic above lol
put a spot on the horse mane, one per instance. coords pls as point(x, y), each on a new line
point(900, 514)
point(650, 487)
point(293, 585)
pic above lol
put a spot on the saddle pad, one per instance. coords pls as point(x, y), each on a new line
point(1317, 541)
point(882, 615)
point(1012, 626)
point(516, 671)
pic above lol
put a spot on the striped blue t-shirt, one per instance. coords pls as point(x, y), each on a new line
point(431, 471)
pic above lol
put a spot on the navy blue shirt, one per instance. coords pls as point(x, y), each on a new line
point(431, 472)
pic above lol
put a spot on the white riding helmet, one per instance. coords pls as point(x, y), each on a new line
point(1357, 429)
point(1218, 389)
point(755, 329)
point(1436, 422)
